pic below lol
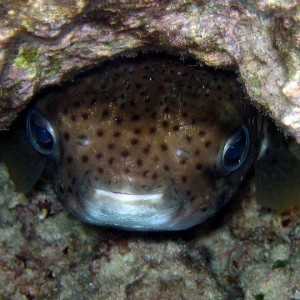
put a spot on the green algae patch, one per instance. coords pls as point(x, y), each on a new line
point(53, 68)
point(279, 264)
point(27, 58)
point(260, 296)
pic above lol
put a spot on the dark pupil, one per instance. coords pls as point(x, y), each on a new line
point(235, 151)
point(42, 136)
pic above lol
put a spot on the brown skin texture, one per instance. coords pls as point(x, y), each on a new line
point(143, 125)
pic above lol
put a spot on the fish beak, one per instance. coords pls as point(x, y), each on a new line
point(130, 210)
point(161, 209)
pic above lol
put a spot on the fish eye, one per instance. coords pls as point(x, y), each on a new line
point(236, 149)
point(40, 133)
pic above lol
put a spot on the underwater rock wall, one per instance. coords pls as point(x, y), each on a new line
point(244, 252)
point(41, 41)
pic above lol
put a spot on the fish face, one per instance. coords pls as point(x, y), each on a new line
point(152, 145)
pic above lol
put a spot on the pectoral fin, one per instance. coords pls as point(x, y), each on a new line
point(277, 174)
point(24, 164)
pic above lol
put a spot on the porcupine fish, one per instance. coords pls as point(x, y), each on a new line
point(144, 145)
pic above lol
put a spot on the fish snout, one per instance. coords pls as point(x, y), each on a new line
point(108, 204)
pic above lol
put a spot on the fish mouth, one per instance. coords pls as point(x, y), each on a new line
point(128, 197)
point(162, 209)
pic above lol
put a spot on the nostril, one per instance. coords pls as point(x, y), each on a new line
point(182, 153)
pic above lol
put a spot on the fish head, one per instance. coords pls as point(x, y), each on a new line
point(152, 145)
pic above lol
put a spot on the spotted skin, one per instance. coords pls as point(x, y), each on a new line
point(140, 142)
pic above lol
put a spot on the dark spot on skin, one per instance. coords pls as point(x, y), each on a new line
point(66, 111)
point(197, 152)
point(146, 77)
point(199, 167)
point(99, 155)
point(93, 101)
point(167, 109)
point(188, 193)
point(203, 209)
point(207, 144)
point(146, 150)
point(66, 136)
point(111, 146)
point(132, 103)
point(73, 118)
point(201, 133)
point(153, 115)
point(163, 146)
point(127, 170)
point(100, 170)
point(175, 127)
point(165, 124)
point(134, 142)
point(138, 86)
point(84, 159)
point(77, 104)
point(135, 118)
point(152, 130)
point(139, 162)
point(69, 159)
point(100, 132)
point(137, 131)
point(184, 114)
point(154, 176)
point(70, 191)
point(183, 179)
point(118, 121)
point(85, 116)
point(117, 134)
point(125, 153)
point(193, 198)
point(188, 138)
point(183, 161)
point(111, 160)
point(166, 167)
point(105, 114)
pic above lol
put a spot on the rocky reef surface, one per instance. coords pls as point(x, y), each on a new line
point(244, 252)
point(42, 41)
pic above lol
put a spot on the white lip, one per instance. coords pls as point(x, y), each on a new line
point(131, 210)
point(128, 197)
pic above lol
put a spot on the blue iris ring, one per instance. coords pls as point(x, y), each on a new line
point(236, 150)
point(40, 133)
